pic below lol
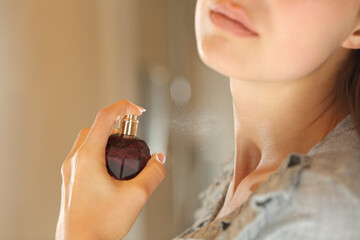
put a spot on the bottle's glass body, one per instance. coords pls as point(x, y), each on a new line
point(126, 156)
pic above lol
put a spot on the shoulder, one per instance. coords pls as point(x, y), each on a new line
point(318, 199)
point(212, 197)
point(325, 200)
point(337, 169)
point(335, 162)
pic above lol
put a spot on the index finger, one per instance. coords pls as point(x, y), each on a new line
point(105, 121)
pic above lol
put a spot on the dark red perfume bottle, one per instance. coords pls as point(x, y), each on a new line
point(126, 154)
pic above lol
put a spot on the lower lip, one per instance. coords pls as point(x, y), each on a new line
point(227, 24)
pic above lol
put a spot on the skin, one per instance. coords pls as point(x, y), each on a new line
point(93, 204)
point(281, 80)
point(281, 83)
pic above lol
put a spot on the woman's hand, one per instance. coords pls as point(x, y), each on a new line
point(93, 204)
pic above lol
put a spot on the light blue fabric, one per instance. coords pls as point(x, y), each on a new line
point(315, 196)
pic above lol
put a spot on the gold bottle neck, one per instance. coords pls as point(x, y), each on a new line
point(128, 125)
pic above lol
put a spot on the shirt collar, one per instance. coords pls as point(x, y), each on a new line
point(295, 159)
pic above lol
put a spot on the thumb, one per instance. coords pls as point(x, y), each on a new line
point(152, 174)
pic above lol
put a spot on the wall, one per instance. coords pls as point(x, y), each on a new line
point(62, 61)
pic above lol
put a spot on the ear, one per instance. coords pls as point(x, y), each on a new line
point(353, 40)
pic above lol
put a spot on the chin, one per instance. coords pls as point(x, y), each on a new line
point(217, 53)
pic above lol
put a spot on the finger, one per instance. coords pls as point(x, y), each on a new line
point(105, 121)
point(115, 131)
point(65, 167)
point(152, 175)
point(79, 140)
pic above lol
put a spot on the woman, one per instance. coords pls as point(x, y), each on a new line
point(295, 82)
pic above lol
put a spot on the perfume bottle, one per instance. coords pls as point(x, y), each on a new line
point(126, 154)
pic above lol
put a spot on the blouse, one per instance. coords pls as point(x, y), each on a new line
point(315, 196)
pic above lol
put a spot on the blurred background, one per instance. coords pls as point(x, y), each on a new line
point(63, 61)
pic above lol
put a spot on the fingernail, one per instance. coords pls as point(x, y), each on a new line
point(142, 109)
point(161, 157)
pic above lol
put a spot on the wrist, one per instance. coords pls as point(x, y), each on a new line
point(62, 234)
point(82, 236)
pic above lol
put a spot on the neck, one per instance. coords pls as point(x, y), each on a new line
point(273, 119)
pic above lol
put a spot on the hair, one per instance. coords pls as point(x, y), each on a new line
point(348, 88)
